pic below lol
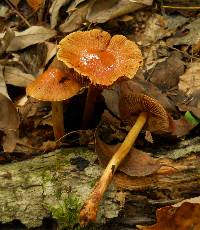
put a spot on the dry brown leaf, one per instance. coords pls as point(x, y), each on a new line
point(14, 76)
point(152, 54)
point(102, 11)
point(158, 27)
point(6, 40)
point(166, 74)
point(190, 84)
point(180, 127)
point(15, 2)
point(9, 140)
point(8, 114)
point(9, 123)
point(148, 137)
point(48, 146)
point(190, 80)
point(193, 200)
point(3, 88)
point(30, 36)
point(137, 163)
point(77, 18)
point(185, 217)
point(54, 11)
point(188, 35)
point(4, 11)
point(111, 96)
point(33, 59)
point(51, 51)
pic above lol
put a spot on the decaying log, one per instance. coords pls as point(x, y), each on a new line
point(30, 190)
point(33, 189)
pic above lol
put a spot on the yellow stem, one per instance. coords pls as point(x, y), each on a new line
point(89, 210)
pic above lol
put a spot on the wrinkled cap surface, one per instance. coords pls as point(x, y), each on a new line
point(132, 105)
point(99, 57)
point(53, 85)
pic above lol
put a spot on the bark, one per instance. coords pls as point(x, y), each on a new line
point(33, 189)
point(30, 190)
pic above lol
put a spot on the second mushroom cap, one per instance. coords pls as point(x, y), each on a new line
point(53, 85)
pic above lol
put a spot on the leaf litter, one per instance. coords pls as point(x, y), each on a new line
point(29, 34)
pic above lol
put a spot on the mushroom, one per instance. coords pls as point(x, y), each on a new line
point(55, 85)
point(151, 112)
point(99, 58)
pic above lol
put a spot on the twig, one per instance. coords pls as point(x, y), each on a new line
point(182, 7)
point(18, 13)
point(183, 52)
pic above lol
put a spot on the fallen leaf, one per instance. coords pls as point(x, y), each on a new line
point(33, 107)
point(51, 51)
point(188, 35)
point(148, 137)
point(15, 2)
point(185, 217)
point(181, 127)
point(102, 11)
point(4, 11)
point(166, 74)
point(158, 27)
point(48, 146)
point(8, 115)
point(6, 40)
point(54, 11)
point(111, 97)
point(33, 58)
point(190, 80)
point(155, 54)
point(136, 163)
point(14, 76)
point(77, 18)
point(193, 200)
point(30, 36)
point(189, 84)
point(9, 123)
point(9, 140)
point(3, 88)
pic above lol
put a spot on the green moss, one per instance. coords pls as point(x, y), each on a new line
point(92, 182)
point(66, 213)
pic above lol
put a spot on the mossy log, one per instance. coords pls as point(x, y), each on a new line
point(58, 183)
point(31, 190)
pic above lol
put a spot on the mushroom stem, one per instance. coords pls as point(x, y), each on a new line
point(88, 212)
point(92, 95)
point(57, 119)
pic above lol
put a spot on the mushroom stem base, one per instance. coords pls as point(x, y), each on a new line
point(88, 212)
point(58, 119)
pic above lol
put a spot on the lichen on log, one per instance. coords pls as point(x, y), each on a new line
point(31, 190)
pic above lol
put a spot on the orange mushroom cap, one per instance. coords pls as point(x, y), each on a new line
point(132, 105)
point(99, 57)
point(53, 85)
